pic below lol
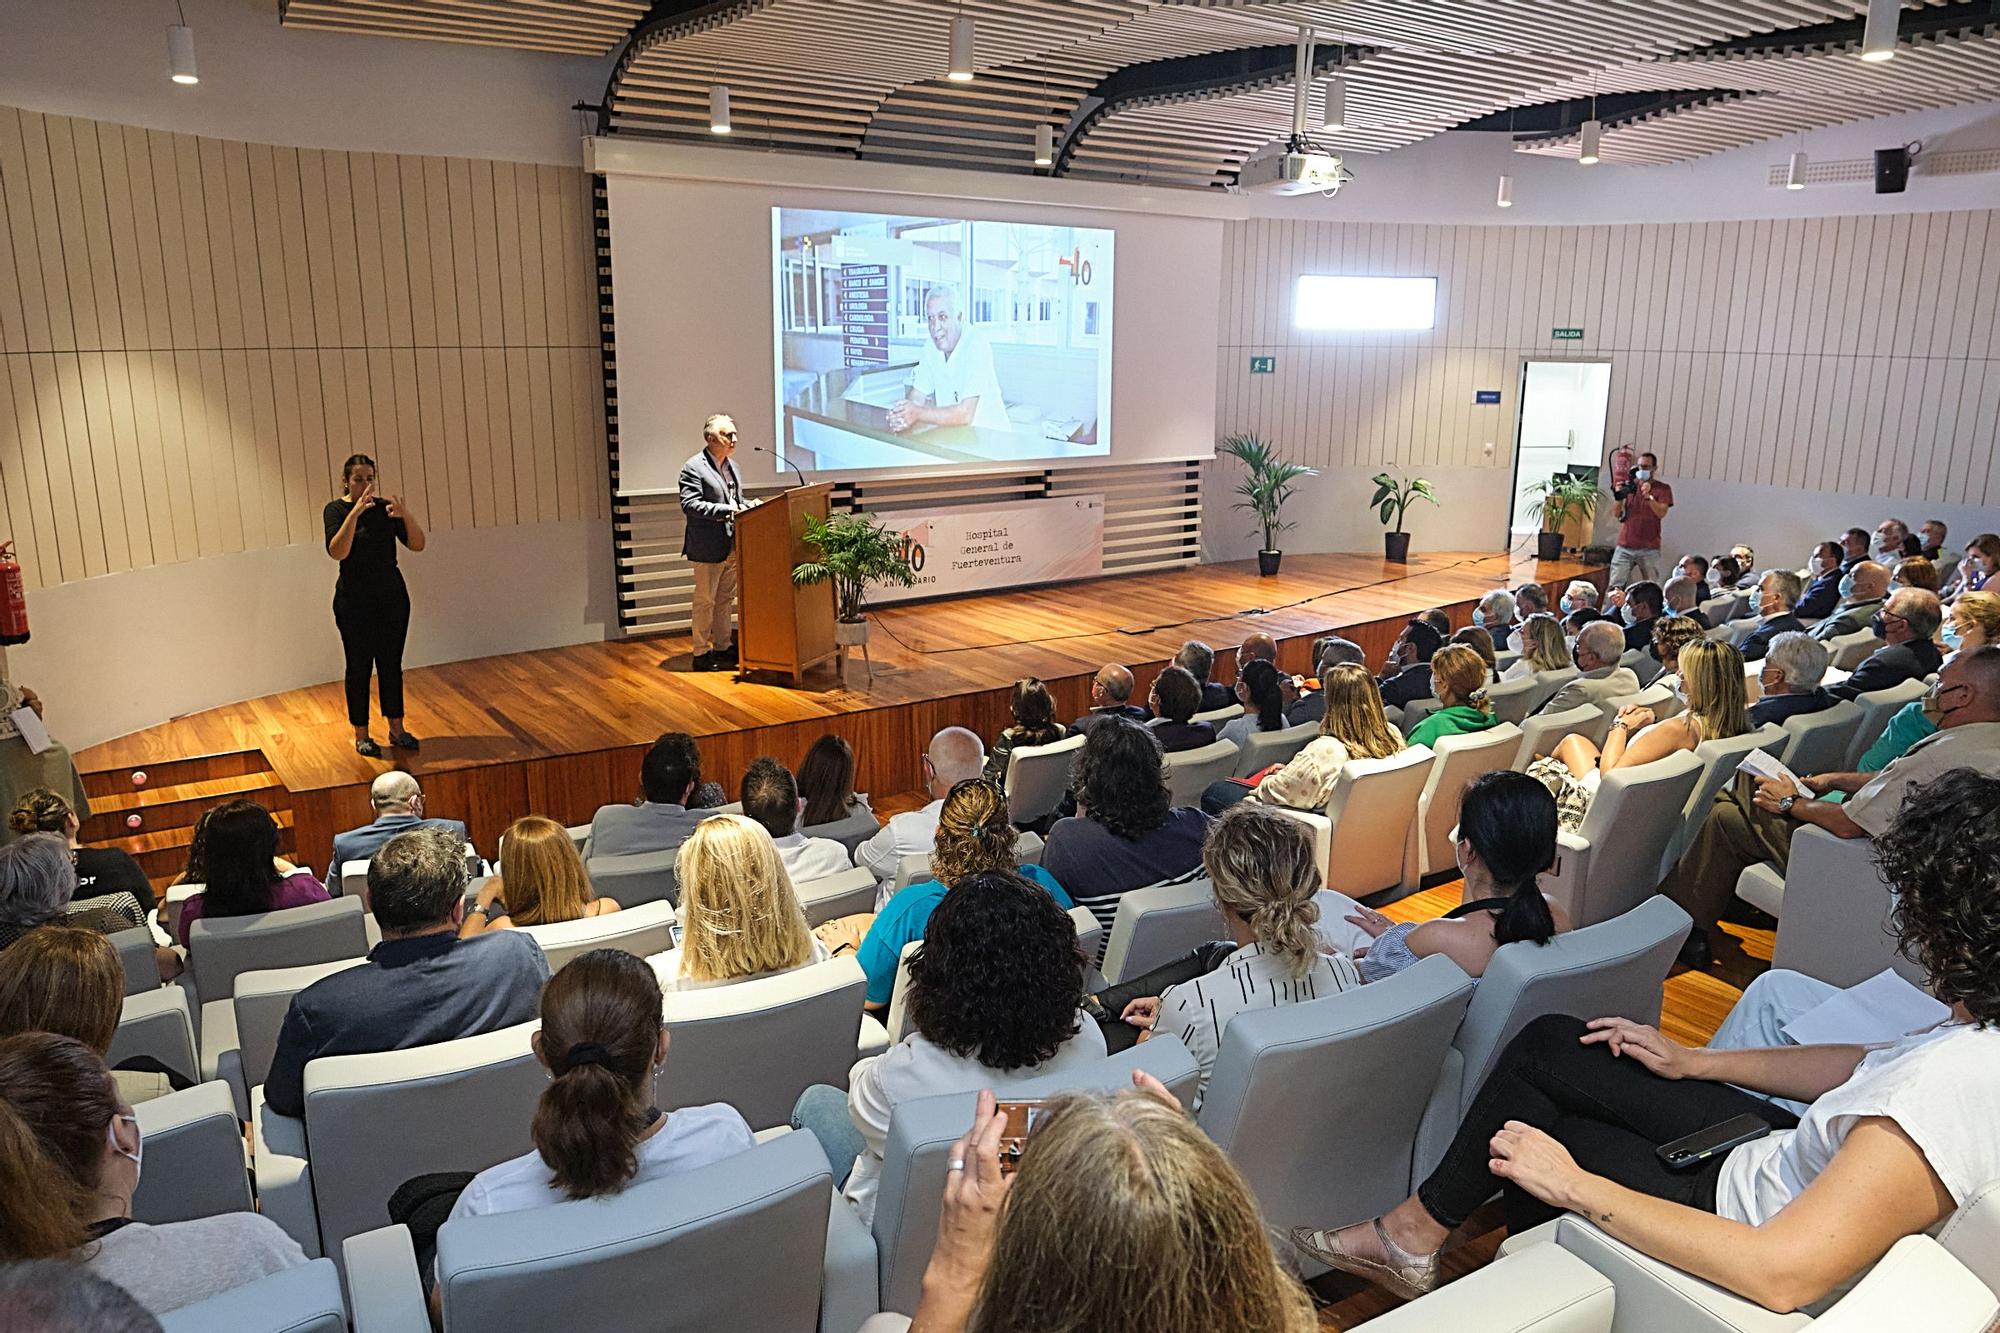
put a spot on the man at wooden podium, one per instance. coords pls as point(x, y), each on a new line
point(711, 498)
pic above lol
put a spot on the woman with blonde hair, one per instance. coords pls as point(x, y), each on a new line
point(1458, 680)
point(1122, 1214)
point(740, 917)
point(541, 882)
point(1353, 727)
point(1543, 648)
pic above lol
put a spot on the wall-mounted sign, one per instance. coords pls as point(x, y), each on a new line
point(1263, 365)
point(1486, 397)
point(1566, 335)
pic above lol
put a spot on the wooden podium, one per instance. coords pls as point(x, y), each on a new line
point(780, 626)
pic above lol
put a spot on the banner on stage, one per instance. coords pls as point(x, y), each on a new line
point(998, 546)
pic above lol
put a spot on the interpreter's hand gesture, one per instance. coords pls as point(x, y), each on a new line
point(395, 505)
point(366, 498)
point(1652, 1049)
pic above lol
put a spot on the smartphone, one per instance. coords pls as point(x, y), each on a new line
point(1022, 1120)
point(676, 929)
point(1684, 1154)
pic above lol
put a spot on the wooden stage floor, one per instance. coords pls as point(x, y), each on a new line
point(557, 731)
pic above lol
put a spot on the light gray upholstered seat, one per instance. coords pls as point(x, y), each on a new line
point(1819, 741)
point(1542, 732)
point(1512, 699)
point(1159, 923)
point(305, 1299)
point(1360, 836)
point(240, 1035)
point(639, 877)
point(642, 930)
point(1190, 771)
point(1833, 909)
point(1719, 761)
point(157, 1024)
point(1460, 759)
point(1612, 862)
point(1265, 748)
point(835, 896)
point(135, 955)
point(850, 832)
point(222, 947)
point(194, 1156)
point(1877, 707)
point(1038, 776)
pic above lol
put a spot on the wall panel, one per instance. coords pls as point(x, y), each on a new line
point(195, 332)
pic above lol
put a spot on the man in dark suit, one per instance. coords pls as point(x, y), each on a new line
point(1198, 660)
point(1907, 623)
point(1930, 541)
point(1644, 603)
point(1777, 593)
point(711, 497)
point(1823, 573)
point(1406, 676)
point(1110, 696)
point(1789, 680)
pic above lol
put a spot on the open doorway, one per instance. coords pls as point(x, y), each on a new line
point(1563, 406)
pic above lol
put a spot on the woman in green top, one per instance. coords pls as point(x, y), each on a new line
point(1458, 679)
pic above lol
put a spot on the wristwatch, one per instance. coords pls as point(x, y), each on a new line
point(484, 909)
point(1785, 804)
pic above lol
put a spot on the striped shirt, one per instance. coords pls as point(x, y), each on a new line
point(1197, 1011)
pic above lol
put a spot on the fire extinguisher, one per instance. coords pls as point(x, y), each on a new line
point(13, 598)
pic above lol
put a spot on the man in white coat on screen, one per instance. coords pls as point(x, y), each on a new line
point(954, 383)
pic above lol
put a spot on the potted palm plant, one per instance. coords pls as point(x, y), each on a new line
point(1393, 498)
point(1266, 485)
point(855, 554)
point(1556, 502)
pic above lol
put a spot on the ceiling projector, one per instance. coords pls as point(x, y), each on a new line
point(1294, 172)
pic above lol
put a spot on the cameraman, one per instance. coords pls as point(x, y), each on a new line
point(1642, 503)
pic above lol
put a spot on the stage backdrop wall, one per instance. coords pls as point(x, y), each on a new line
point(1783, 369)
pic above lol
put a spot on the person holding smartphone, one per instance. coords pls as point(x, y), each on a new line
point(371, 605)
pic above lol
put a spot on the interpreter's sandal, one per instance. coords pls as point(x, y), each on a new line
point(1406, 1275)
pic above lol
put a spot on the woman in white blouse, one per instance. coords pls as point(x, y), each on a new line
point(1354, 727)
point(1543, 648)
point(739, 916)
point(1893, 1140)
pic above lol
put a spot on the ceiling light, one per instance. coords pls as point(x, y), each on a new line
point(180, 54)
point(718, 108)
point(1878, 36)
point(1045, 145)
point(1795, 175)
point(1335, 117)
point(1506, 196)
point(961, 49)
point(1593, 134)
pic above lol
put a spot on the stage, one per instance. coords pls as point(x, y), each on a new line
point(560, 731)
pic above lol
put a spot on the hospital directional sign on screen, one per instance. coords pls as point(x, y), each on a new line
point(1263, 365)
point(1566, 335)
point(864, 314)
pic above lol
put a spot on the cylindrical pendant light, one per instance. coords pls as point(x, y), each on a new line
point(1795, 175)
point(962, 32)
point(1045, 145)
point(718, 108)
point(180, 54)
point(1505, 199)
point(1878, 35)
point(1335, 117)
point(1593, 135)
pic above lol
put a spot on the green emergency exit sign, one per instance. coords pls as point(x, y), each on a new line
point(1566, 335)
point(1263, 365)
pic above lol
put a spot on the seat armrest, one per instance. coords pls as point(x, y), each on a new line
point(1542, 1289)
point(874, 1037)
point(385, 1291)
point(284, 1177)
point(1653, 1295)
point(1565, 880)
point(851, 1289)
point(1916, 1274)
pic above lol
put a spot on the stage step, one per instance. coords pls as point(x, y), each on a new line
point(116, 782)
point(172, 800)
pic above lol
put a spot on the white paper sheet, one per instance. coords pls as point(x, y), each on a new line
point(1759, 763)
point(32, 730)
point(1882, 1009)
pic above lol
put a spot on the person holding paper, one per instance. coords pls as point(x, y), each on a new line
point(30, 757)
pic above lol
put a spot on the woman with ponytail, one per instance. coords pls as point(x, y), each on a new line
point(1506, 839)
point(1265, 878)
point(1261, 691)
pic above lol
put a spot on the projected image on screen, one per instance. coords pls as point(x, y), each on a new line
point(912, 342)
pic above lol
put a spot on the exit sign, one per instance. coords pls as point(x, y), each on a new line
point(1263, 365)
point(1566, 335)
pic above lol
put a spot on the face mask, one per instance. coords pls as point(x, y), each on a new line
point(1680, 691)
point(1953, 639)
point(1479, 616)
point(1933, 710)
point(1876, 626)
point(1631, 616)
point(1568, 604)
point(138, 1156)
point(1815, 567)
point(1846, 586)
point(1642, 473)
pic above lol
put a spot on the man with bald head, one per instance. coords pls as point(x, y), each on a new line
point(399, 807)
point(1110, 696)
point(1907, 624)
point(1862, 589)
point(953, 756)
point(1753, 821)
point(1258, 647)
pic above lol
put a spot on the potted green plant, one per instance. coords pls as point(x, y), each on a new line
point(1266, 485)
point(1555, 502)
point(855, 554)
point(1393, 497)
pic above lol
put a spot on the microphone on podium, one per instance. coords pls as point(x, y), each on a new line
point(783, 461)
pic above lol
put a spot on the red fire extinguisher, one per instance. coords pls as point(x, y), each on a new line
point(13, 598)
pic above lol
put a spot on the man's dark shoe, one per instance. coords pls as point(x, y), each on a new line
point(1696, 955)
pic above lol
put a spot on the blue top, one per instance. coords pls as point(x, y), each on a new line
point(903, 918)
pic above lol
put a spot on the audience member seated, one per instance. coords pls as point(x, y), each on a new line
point(1406, 675)
point(1972, 621)
point(667, 809)
point(1644, 603)
point(99, 870)
point(1198, 659)
point(1670, 635)
point(973, 838)
point(36, 881)
point(1174, 699)
point(1598, 647)
point(1328, 653)
point(1353, 727)
point(422, 984)
point(954, 755)
point(1746, 567)
point(67, 981)
point(1459, 677)
point(1543, 648)
point(1479, 641)
point(740, 918)
point(1261, 689)
point(1726, 574)
point(1530, 599)
point(399, 807)
point(541, 882)
point(1110, 696)
point(58, 1296)
point(1862, 589)
point(1711, 681)
point(770, 797)
point(1494, 613)
point(1682, 594)
point(1907, 624)
point(1931, 537)
point(1854, 547)
point(1693, 568)
point(1753, 820)
point(1891, 536)
point(243, 874)
point(826, 784)
point(1893, 1139)
point(1260, 864)
point(1579, 598)
point(1916, 571)
point(1776, 605)
point(1822, 582)
point(1128, 1176)
point(1506, 839)
point(1790, 680)
point(1034, 712)
point(995, 991)
point(1126, 833)
point(1256, 647)
point(69, 1171)
point(1981, 562)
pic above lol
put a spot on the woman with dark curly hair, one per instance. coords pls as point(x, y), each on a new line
point(1893, 1139)
point(1127, 832)
point(996, 990)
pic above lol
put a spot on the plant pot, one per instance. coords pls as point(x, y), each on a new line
point(1267, 561)
point(849, 633)
point(1396, 547)
point(1548, 546)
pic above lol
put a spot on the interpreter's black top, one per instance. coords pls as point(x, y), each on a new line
point(371, 560)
